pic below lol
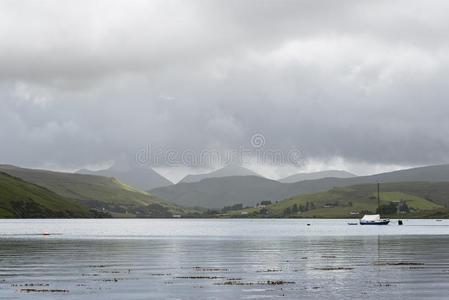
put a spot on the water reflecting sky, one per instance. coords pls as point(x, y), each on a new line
point(216, 259)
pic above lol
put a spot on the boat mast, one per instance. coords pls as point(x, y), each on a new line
point(378, 197)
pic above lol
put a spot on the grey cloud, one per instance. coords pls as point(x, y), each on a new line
point(86, 82)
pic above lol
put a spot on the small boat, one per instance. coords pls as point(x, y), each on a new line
point(353, 223)
point(374, 219)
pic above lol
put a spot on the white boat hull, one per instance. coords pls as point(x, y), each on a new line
point(379, 222)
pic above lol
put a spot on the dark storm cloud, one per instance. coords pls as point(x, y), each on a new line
point(84, 82)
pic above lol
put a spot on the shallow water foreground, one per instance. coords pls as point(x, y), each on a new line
point(222, 259)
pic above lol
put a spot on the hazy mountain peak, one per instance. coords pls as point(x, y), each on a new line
point(140, 177)
point(317, 175)
point(228, 170)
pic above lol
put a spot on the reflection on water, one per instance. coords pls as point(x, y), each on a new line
point(317, 267)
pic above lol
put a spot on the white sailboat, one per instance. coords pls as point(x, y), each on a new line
point(375, 219)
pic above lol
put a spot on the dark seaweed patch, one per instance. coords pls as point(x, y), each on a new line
point(333, 268)
point(269, 271)
point(210, 269)
point(31, 290)
point(401, 263)
point(199, 277)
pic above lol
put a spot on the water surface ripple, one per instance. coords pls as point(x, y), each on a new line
point(222, 259)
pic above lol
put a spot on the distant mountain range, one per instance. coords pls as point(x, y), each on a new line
point(31, 193)
point(317, 175)
point(249, 190)
point(98, 192)
point(220, 192)
point(142, 178)
point(230, 170)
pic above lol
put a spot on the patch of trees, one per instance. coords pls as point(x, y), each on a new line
point(153, 211)
point(232, 207)
point(403, 207)
point(387, 209)
point(100, 214)
point(292, 210)
point(104, 208)
point(266, 202)
point(393, 207)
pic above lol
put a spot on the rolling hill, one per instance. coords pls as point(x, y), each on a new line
point(21, 199)
point(142, 178)
point(438, 173)
point(422, 199)
point(317, 175)
point(249, 190)
point(227, 171)
point(98, 192)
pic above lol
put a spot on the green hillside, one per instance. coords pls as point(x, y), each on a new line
point(20, 199)
point(102, 193)
point(411, 199)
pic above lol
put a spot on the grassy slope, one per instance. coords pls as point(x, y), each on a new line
point(38, 201)
point(426, 198)
point(439, 173)
point(95, 191)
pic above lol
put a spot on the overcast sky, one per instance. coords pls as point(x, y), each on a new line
point(361, 85)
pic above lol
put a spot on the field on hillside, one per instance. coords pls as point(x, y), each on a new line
point(415, 199)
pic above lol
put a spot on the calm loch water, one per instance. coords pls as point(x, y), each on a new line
point(223, 259)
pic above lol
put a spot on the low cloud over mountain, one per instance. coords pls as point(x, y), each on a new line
point(364, 82)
